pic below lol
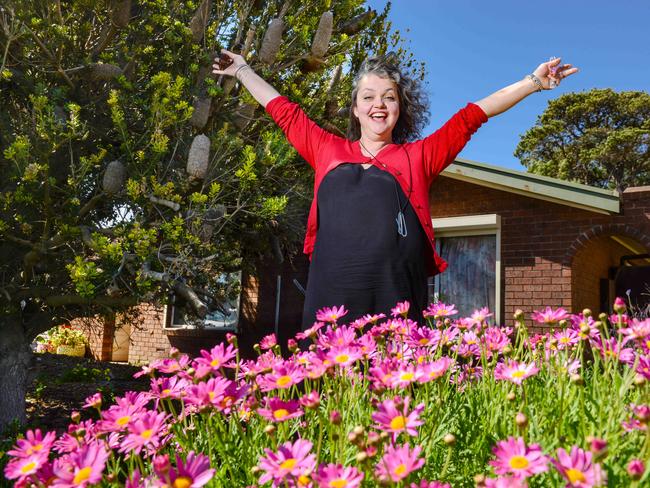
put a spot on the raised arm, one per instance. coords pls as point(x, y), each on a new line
point(541, 79)
point(260, 89)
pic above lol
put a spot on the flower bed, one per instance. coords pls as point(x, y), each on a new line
point(380, 401)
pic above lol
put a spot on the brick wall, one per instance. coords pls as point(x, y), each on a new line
point(540, 240)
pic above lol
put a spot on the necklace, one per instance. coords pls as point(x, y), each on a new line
point(400, 220)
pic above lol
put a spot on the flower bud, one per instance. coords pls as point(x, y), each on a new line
point(75, 417)
point(619, 305)
point(371, 451)
point(521, 420)
point(255, 470)
point(161, 464)
point(335, 417)
point(174, 352)
point(479, 479)
point(510, 396)
point(636, 469)
point(269, 429)
point(231, 338)
point(642, 412)
point(639, 380)
point(292, 345)
point(597, 446)
point(576, 379)
point(586, 312)
point(361, 457)
point(585, 329)
point(449, 439)
point(352, 437)
point(373, 438)
point(562, 323)
point(358, 430)
point(602, 317)
point(507, 350)
point(519, 314)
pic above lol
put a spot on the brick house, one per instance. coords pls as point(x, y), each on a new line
point(514, 240)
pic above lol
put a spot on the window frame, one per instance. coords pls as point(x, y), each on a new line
point(475, 225)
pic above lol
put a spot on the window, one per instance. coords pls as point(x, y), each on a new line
point(472, 247)
point(223, 307)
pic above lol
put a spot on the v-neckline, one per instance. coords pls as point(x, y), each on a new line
point(359, 149)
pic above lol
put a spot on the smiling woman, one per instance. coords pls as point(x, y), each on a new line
point(369, 233)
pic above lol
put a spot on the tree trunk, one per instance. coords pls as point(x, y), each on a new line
point(14, 361)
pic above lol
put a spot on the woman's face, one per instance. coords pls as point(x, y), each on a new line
point(377, 106)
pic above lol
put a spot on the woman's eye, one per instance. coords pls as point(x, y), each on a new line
point(367, 98)
point(389, 98)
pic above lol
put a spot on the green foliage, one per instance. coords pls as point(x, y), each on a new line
point(80, 91)
point(83, 374)
point(599, 137)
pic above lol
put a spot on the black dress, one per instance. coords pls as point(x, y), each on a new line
point(359, 259)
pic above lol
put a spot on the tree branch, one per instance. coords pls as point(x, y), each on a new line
point(199, 307)
point(167, 203)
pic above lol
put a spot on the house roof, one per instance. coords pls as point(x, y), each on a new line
point(535, 186)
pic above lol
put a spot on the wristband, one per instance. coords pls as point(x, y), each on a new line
point(243, 66)
point(537, 82)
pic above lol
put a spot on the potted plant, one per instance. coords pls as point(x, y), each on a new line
point(68, 341)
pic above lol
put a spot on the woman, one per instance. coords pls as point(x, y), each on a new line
point(369, 231)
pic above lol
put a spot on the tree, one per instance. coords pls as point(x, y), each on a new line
point(599, 138)
point(129, 170)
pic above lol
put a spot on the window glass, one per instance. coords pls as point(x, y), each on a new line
point(470, 279)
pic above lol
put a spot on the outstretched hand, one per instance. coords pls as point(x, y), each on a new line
point(552, 73)
point(228, 63)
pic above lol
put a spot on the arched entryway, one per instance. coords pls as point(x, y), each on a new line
point(609, 263)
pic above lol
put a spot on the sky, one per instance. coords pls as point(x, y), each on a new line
point(474, 48)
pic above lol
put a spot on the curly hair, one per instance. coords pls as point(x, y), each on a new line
point(413, 102)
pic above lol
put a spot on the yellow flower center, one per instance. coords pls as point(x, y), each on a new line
point(283, 380)
point(82, 475)
point(211, 395)
point(288, 464)
point(518, 462)
point(400, 470)
point(28, 467)
point(280, 413)
point(214, 363)
point(398, 422)
point(424, 341)
point(166, 391)
point(407, 376)
point(147, 434)
point(564, 340)
point(123, 420)
point(342, 358)
point(575, 475)
point(37, 447)
point(338, 483)
point(303, 480)
point(182, 482)
point(518, 374)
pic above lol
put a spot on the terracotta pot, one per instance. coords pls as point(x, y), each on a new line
point(78, 351)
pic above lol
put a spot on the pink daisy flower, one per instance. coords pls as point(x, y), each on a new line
point(340, 337)
point(612, 349)
point(514, 371)
point(278, 410)
point(514, 457)
point(311, 332)
point(344, 356)
point(268, 342)
point(566, 338)
point(393, 416)
point(168, 387)
point(194, 472)
point(33, 443)
point(422, 336)
point(93, 401)
point(207, 393)
point(81, 468)
point(643, 367)
point(495, 339)
point(480, 316)
point(439, 310)
point(549, 316)
point(331, 314)
point(290, 462)
point(578, 469)
point(404, 376)
point(24, 467)
point(282, 377)
point(401, 309)
point(146, 432)
point(432, 371)
point(338, 476)
point(398, 462)
point(211, 362)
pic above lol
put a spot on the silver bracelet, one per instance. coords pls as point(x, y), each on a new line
point(243, 66)
point(537, 82)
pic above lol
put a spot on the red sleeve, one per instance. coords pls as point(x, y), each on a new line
point(302, 132)
point(442, 147)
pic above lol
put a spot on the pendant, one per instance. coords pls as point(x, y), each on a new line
point(401, 224)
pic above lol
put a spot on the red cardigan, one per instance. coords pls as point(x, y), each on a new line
point(324, 151)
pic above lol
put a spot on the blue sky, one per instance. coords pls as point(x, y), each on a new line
point(473, 48)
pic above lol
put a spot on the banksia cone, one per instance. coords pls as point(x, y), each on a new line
point(114, 177)
point(200, 20)
point(121, 13)
point(243, 115)
point(198, 158)
point(103, 71)
point(323, 35)
point(311, 64)
point(201, 113)
point(355, 24)
point(210, 220)
point(272, 41)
